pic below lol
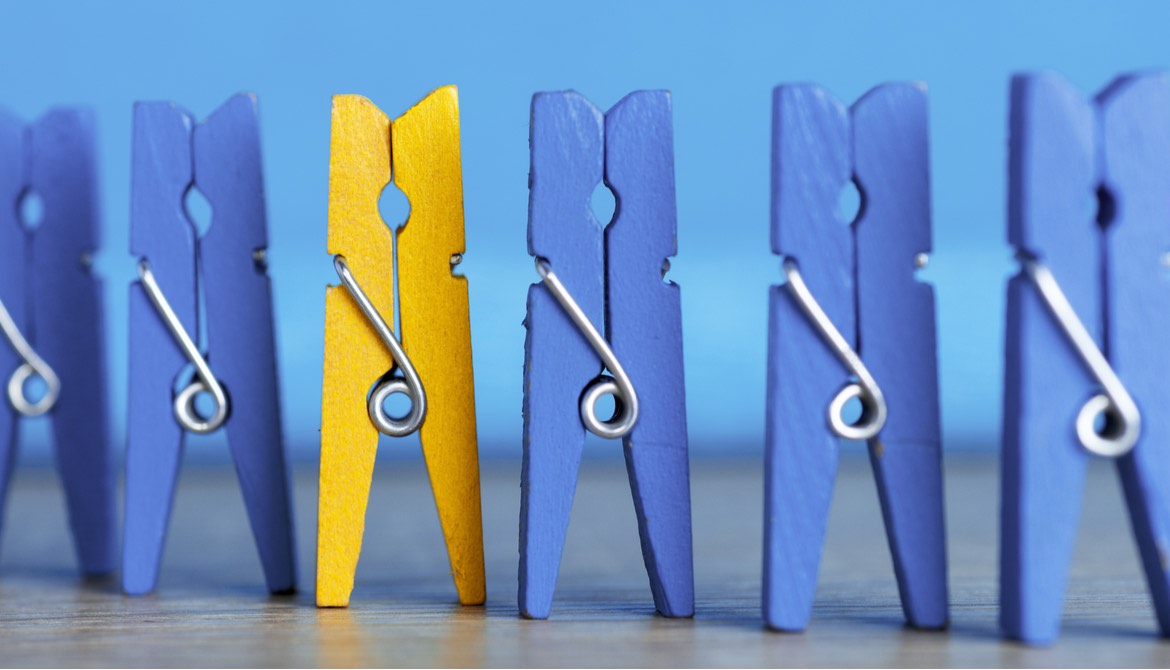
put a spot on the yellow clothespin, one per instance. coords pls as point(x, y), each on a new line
point(365, 363)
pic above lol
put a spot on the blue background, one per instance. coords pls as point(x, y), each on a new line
point(721, 61)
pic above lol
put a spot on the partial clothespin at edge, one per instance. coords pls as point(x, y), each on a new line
point(852, 322)
point(603, 306)
point(237, 367)
point(1086, 357)
point(366, 362)
point(53, 320)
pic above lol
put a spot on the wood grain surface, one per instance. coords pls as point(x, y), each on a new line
point(212, 609)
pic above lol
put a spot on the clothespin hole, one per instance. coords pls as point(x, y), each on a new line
point(204, 405)
point(1107, 424)
point(34, 389)
point(603, 204)
point(31, 209)
point(393, 206)
point(849, 203)
point(852, 411)
point(397, 406)
point(1106, 207)
point(606, 407)
point(198, 210)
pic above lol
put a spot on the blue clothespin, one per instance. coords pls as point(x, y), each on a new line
point(852, 321)
point(221, 158)
point(592, 290)
point(52, 318)
point(1086, 357)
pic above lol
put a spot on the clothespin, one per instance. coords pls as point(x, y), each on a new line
point(429, 362)
point(852, 322)
point(1086, 361)
point(616, 287)
point(52, 317)
point(236, 367)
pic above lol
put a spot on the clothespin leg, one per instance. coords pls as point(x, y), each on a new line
point(1150, 517)
point(1134, 115)
point(355, 357)
point(558, 365)
point(909, 482)
point(800, 462)
point(896, 322)
point(452, 455)
point(247, 368)
point(1043, 468)
point(349, 443)
point(8, 450)
point(436, 324)
point(80, 429)
point(1051, 172)
point(12, 284)
point(154, 444)
point(645, 329)
point(67, 323)
point(660, 481)
point(240, 326)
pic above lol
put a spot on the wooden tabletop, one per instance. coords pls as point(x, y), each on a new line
point(211, 608)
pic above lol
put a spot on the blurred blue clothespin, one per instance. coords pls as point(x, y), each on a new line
point(852, 323)
point(1087, 361)
point(52, 317)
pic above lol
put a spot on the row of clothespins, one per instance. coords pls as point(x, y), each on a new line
point(850, 323)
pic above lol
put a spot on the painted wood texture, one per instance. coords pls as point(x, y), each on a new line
point(573, 148)
point(644, 322)
point(863, 277)
point(567, 138)
point(55, 300)
point(436, 334)
point(896, 332)
point(240, 328)
point(1063, 149)
point(436, 323)
point(221, 158)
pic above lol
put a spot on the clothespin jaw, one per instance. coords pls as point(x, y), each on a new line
point(53, 302)
point(851, 284)
point(1108, 269)
point(221, 158)
point(435, 317)
point(573, 148)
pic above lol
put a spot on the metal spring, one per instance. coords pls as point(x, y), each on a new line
point(205, 381)
point(865, 389)
point(408, 384)
point(1122, 420)
point(619, 385)
point(32, 364)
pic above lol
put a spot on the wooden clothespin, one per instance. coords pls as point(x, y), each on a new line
point(237, 365)
point(603, 306)
point(852, 322)
point(52, 318)
point(1086, 359)
point(430, 364)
